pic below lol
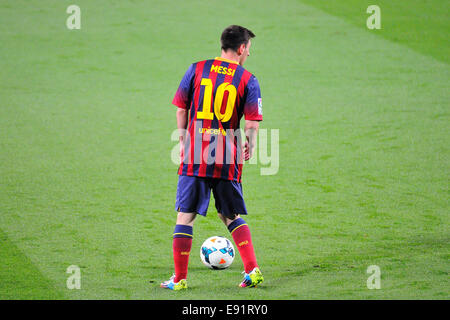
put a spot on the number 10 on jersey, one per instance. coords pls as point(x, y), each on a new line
point(207, 113)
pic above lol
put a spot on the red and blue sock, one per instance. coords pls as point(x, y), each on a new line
point(182, 243)
point(243, 240)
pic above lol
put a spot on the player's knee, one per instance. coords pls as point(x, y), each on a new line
point(186, 218)
point(222, 217)
point(227, 219)
point(236, 216)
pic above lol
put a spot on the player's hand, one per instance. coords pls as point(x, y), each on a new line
point(251, 129)
point(248, 152)
point(181, 151)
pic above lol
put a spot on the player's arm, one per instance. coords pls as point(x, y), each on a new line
point(253, 115)
point(182, 100)
point(251, 131)
point(182, 121)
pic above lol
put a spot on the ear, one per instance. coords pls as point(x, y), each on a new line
point(241, 49)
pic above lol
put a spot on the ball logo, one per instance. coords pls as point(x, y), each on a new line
point(207, 251)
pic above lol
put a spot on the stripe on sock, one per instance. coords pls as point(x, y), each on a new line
point(236, 224)
point(182, 231)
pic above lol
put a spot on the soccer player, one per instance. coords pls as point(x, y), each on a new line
point(211, 99)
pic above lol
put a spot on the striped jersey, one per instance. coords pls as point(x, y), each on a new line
point(217, 93)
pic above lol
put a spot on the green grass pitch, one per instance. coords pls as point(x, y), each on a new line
point(363, 119)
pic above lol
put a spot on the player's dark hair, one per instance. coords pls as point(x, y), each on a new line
point(233, 36)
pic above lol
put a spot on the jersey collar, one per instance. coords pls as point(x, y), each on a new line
point(226, 60)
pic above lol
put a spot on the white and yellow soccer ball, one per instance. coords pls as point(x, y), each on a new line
point(217, 253)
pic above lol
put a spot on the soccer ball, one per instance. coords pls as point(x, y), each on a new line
point(217, 253)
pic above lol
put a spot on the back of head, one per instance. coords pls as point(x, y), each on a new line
point(233, 36)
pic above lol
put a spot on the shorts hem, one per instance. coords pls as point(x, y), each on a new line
point(182, 209)
point(232, 215)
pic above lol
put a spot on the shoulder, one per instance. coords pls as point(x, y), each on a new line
point(247, 77)
point(197, 66)
point(252, 82)
point(202, 63)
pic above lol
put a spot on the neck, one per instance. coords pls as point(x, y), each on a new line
point(230, 55)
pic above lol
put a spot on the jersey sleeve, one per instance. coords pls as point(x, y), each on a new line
point(183, 96)
point(253, 102)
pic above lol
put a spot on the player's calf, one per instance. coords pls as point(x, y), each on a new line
point(243, 240)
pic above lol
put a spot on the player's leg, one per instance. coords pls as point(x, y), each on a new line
point(243, 240)
point(186, 218)
point(192, 198)
point(242, 237)
point(181, 247)
point(230, 204)
point(182, 243)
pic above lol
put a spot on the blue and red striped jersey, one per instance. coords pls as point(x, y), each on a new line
point(217, 93)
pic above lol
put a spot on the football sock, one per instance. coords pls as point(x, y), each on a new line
point(243, 240)
point(182, 243)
